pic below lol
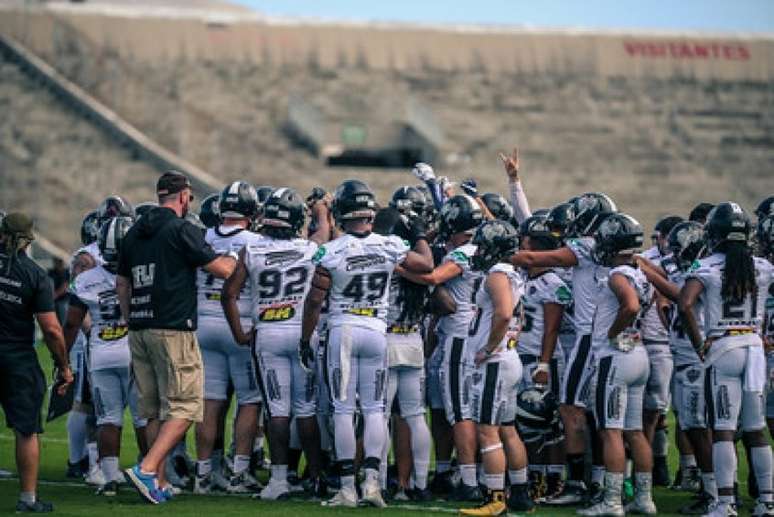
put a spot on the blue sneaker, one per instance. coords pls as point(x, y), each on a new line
point(145, 484)
point(168, 492)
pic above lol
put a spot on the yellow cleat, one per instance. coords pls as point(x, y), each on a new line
point(495, 505)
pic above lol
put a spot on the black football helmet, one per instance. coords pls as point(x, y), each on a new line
point(143, 208)
point(409, 201)
point(536, 409)
point(662, 229)
point(686, 242)
point(284, 209)
point(559, 220)
point(764, 234)
point(495, 240)
point(238, 200)
point(498, 206)
point(209, 211)
point(590, 209)
point(765, 208)
point(89, 228)
point(616, 234)
point(460, 213)
point(353, 200)
point(727, 222)
point(543, 212)
point(263, 192)
point(536, 227)
point(111, 235)
point(114, 206)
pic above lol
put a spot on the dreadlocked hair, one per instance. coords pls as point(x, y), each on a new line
point(739, 271)
point(414, 299)
point(14, 243)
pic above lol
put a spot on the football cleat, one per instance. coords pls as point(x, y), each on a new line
point(519, 499)
point(275, 491)
point(346, 497)
point(494, 505)
point(721, 509)
point(109, 489)
point(660, 471)
point(372, 494)
point(466, 493)
point(441, 483)
point(701, 506)
point(36, 507)
point(642, 506)
point(607, 508)
point(241, 484)
point(574, 492)
point(202, 485)
point(763, 509)
point(95, 477)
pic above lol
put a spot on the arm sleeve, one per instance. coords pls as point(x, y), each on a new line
point(197, 252)
point(436, 192)
point(519, 201)
point(43, 297)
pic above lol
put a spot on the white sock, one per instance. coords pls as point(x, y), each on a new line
point(643, 481)
point(628, 468)
point(495, 481)
point(761, 461)
point(660, 443)
point(442, 466)
point(687, 461)
point(613, 486)
point(421, 443)
point(709, 484)
point(724, 459)
point(203, 468)
point(597, 474)
point(468, 473)
point(91, 447)
point(27, 497)
point(348, 482)
point(518, 476)
point(373, 434)
point(241, 463)
point(76, 436)
point(109, 466)
point(383, 464)
point(371, 474)
point(279, 473)
point(344, 436)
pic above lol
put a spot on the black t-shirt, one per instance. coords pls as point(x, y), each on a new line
point(160, 256)
point(59, 278)
point(25, 291)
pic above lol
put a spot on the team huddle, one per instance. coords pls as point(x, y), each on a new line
point(546, 346)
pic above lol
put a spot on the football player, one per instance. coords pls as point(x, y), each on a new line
point(225, 362)
point(590, 210)
point(732, 287)
point(622, 366)
point(498, 371)
point(94, 292)
point(460, 216)
point(277, 270)
point(356, 269)
point(765, 237)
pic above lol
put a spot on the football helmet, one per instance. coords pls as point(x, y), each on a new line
point(616, 234)
point(686, 242)
point(498, 206)
point(409, 201)
point(536, 227)
point(536, 409)
point(113, 206)
point(238, 200)
point(460, 213)
point(353, 200)
point(495, 240)
point(263, 192)
point(590, 209)
point(766, 207)
point(560, 220)
point(284, 209)
point(209, 211)
point(727, 222)
point(765, 235)
point(111, 235)
point(89, 228)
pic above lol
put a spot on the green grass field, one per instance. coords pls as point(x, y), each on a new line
point(71, 498)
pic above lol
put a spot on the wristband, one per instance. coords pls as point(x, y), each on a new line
point(541, 367)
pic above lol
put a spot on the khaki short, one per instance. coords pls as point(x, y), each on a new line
point(168, 371)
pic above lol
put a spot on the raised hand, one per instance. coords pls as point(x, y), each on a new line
point(511, 164)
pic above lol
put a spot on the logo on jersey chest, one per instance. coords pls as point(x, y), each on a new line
point(283, 257)
point(364, 261)
point(274, 314)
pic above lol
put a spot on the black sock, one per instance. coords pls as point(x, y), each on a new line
point(576, 466)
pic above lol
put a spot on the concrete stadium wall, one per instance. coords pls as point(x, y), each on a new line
point(408, 48)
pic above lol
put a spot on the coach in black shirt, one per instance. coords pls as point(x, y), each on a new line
point(156, 286)
point(26, 294)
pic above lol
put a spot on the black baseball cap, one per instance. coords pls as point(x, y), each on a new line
point(172, 182)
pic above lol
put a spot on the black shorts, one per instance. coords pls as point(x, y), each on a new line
point(22, 389)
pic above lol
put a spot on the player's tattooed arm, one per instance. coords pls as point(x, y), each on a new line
point(437, 276)
point(628, 304)
point(321, 284)
point(563, 257)
point(688, 298)
point(228, 300)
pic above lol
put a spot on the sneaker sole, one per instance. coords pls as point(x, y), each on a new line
point(281, 497)
point(139, 486)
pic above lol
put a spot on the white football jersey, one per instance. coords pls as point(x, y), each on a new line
point(542, 289)
point(607, 305)
point(720, 315)
point(680, 344)
point(93, 250)
point(568, 319)
point(280, 274)
point(108, 345)
point(588, 278)
point(651, 327)
point(223, 239)
point(462, 288)
point(769, 321)
point(361, 269)
point(481, 324)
